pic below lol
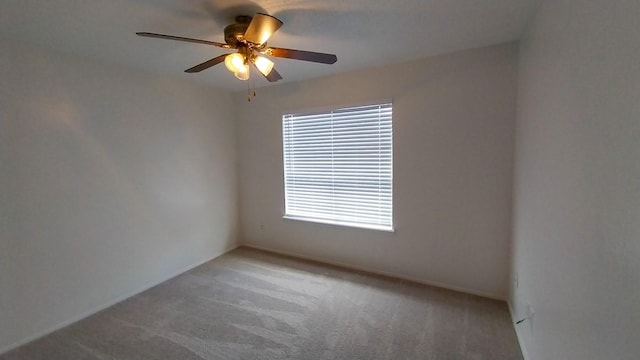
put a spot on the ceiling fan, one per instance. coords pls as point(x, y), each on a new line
point(249, 35)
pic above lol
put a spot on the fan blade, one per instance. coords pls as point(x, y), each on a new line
point(180, 38)
point(207, 64)
point(261, 28)
point(273, 76)
point(301, 55)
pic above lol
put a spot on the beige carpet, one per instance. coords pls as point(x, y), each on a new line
point(254, 305)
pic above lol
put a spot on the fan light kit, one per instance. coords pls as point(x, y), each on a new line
point(249, 35)
point(235, 63)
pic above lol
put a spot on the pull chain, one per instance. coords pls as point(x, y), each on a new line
point(249, 88)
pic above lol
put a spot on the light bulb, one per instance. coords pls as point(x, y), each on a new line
point(242, 74)
point(263, 64)
point(234, 62)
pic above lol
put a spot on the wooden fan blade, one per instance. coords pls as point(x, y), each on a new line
point(180, 38)
point(261, 28)
point(207, 64)
point(301, 55)
point(273, 76)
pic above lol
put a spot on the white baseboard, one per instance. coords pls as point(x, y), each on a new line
point(514, 318)
point(378, 272)
point(112, 302)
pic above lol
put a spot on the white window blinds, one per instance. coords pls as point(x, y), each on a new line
point(338, 166)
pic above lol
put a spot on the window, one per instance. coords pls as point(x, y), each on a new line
point(338, 166)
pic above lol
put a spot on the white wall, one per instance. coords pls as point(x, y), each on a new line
point(112, 181)
point(577, 182)
point(454, 118)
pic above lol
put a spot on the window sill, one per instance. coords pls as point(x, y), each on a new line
point(341, 223)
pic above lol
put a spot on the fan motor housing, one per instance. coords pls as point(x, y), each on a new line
point(234, 33)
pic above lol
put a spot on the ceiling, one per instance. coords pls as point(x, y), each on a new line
point(362, 33)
